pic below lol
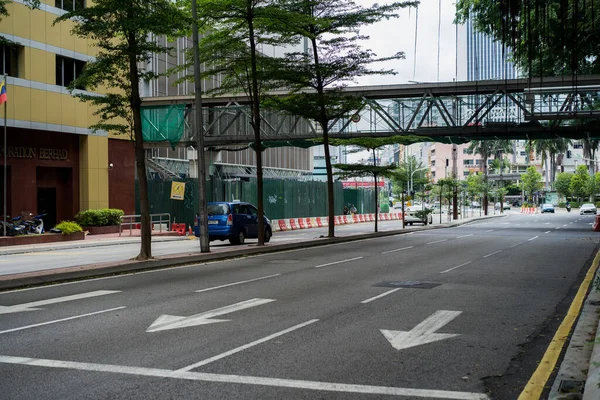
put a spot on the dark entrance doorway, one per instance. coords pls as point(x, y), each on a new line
point(46, 200)
point(2, 187)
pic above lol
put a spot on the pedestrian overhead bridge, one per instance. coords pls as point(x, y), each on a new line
point(450, 112)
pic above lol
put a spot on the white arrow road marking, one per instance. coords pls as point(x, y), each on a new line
point(33, 305)
point(245, 380)
point(424, 332)
point(165, 322)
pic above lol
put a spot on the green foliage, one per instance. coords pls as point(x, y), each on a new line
point(99, 217)
point(123, 32)
point(562, 184)
point(69, 227)
point(422, 214)
point(531, 181)
point(580, 182)
point(385, 207)
point(402, 176)
point(547, 38)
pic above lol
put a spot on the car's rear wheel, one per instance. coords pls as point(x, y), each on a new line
point(267, 235)
point(239, 239)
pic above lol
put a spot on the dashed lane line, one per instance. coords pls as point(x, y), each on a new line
point(338, 262)
point(491, 230)
point(515, 245)
point(60, 320)
point(246, 346)
point(491, 254)
point(380, 296)
point(393, 251)
point(533, 238)
point(237, 283)
point(438, 241)
point(458, 266)
point(464, 236)
point(245, 380)
point(547, 232)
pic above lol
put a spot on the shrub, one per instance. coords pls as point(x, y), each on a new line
point(99, 217)
point(575, 204)
point(69, 227)
point(385, 208)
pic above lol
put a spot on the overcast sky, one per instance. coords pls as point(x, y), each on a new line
point(389, 37)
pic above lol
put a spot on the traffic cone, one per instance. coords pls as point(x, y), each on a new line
point(190, 233)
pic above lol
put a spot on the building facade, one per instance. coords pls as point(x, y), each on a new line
point(55, 164)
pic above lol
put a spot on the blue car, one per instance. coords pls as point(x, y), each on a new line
point(547, 208)
point(234, 221)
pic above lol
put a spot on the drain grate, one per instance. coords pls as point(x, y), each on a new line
point(408, 284)
point(569, 386)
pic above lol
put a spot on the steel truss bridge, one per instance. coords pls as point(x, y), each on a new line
point(450, 112)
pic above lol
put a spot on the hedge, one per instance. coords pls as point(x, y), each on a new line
point(100, 217)
point(68, 227)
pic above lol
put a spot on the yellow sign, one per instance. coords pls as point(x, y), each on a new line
point(177, 190)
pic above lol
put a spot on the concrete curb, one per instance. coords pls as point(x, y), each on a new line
point(17, 281)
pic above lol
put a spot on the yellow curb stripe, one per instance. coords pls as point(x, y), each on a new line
point(534, 388)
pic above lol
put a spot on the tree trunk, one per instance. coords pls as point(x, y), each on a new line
point(323, 121)
point(140, 155)
point(256, 125)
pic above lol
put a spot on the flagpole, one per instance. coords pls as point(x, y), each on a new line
point(4, 147)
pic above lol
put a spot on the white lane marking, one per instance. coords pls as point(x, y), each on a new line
point(491, 230)
point(237, 283)
point(464, 236)
point(558, 227)
point(518, 225)
point(338, 262)
point(515, 245)
point(438, 241)
point(380, 296)
point(547, 232)
point(423, 333)
point(32, 306)
point(453, 268)
point(60, 320)
point(533, 238)
point(246, 346)
point(247, 380)
point(564, 225)
point(392, 251)
point(491, 254)
point(165, 322)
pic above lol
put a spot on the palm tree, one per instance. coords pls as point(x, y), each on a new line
point(589, 151)
point(561, 145)
point(485, 149)
point(542, 147)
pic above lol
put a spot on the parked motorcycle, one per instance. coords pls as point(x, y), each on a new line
point(568, 208)
point(13, 226)
point(35, 225)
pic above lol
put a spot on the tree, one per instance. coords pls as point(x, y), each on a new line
point(122, 31)
point(547, 38)
point(579, 185)
point(485, 148)
point(234, 30)
point(594, 186)
point(335, 58)
point(562, 184)
point(411, 168)
point(531, 181)
point(361, 170)
point(474, 185)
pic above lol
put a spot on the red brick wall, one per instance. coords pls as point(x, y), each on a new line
point(121, 177)
point(46, 160)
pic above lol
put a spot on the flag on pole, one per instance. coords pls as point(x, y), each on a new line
point(3, 95)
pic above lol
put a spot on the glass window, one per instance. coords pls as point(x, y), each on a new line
point(9, 58)
point(217, 209)
point(67, 69)
point(70, 5)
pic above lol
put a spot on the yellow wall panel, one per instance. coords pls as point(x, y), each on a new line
point(94, 172)
point(81, 114)
point(68, 110)
point(38, 25)
point(39, 67)
point(21, 101)
point(53, 106)
point(20, 13)
point(25, 63)
point(52, 32)
point(39, 99)
point(67, 40)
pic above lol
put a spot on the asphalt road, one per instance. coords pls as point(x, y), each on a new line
point(458, 313)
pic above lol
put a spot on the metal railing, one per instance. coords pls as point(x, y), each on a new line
point(134, 220)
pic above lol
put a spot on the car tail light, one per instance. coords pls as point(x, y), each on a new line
point(230, 219)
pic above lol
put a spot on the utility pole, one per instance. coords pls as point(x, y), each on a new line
point(454, 178)
point(200, 158)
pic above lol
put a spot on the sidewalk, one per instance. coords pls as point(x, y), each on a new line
point(579, 368)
